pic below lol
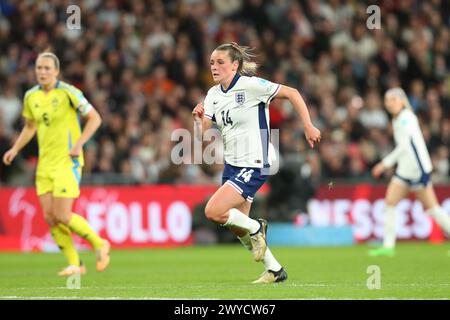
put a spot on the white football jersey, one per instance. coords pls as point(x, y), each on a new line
point(410, 154)
point(242, 115)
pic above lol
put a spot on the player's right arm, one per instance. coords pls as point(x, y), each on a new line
point(201, 123)
point(203, 114)
point(27, 133)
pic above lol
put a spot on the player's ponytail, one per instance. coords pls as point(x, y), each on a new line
point(400, 93)
point(243, 55)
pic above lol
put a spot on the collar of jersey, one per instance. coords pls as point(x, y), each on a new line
point(403, 109)
point(56, 85)
point(233, 82)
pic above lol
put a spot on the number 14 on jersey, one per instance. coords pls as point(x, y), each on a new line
point(226, 118)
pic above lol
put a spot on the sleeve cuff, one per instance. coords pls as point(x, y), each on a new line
point(85, 108)
point(387, 163)
point(274, 94)
point(213, 117)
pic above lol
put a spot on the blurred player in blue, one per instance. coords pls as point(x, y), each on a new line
point(239, 105)
point(413, 170)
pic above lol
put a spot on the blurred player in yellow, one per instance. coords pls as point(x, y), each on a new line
point(51, 109)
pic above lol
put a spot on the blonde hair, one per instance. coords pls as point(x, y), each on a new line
point(50, 55)
point(243, 55)
point(400, 93)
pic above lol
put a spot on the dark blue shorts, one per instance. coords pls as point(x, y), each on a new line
point(246, 181)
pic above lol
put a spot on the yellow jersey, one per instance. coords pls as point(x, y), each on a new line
point(56, 114)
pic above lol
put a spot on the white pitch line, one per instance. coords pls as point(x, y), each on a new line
point(242, 286)
point(99, 298)
point(175, 299)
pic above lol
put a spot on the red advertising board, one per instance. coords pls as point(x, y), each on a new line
point(127, 216)
point(143, 216)
point(361, 206)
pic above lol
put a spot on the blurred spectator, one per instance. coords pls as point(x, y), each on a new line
point(10, 108)
point(373, 114)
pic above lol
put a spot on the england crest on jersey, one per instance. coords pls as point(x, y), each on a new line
point(240, 98)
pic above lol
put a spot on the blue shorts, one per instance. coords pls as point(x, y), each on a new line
point(422, 182)
point(246, 181)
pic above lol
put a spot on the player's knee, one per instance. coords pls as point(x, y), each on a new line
point(61, 218)
point(48, 217)
point(211, 213)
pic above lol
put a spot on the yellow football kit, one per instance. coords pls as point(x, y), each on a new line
point(58, 128)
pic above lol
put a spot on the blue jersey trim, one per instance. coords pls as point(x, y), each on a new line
point(273, 94)
point(417, 157)
point(76, 163)
point(264, 133)
point(233, 82)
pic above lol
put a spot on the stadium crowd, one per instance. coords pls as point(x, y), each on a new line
point(145, 64)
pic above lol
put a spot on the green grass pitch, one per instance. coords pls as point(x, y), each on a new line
point(418, 271)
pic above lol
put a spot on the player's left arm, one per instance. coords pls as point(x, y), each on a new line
point(93, 122)
point(312, 133)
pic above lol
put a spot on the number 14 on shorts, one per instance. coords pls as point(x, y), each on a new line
point(246, 175)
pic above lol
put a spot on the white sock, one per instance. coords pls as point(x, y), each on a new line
point(389, 227)
point(238, 219)
point(270, 263)
point(441, 217)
